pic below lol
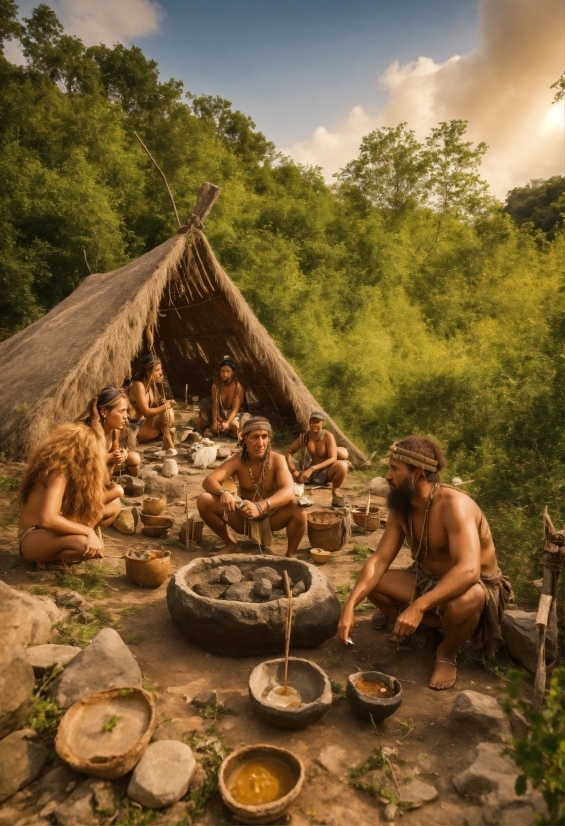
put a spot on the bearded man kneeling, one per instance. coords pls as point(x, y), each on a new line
point(267, 494)
point(454, 583)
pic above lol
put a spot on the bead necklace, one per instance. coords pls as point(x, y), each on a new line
point(418, 556)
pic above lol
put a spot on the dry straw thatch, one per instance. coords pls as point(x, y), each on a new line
point(177, 296)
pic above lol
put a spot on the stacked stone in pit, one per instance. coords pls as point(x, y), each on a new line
point(262, 584)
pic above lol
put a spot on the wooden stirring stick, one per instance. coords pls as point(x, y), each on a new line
point(288, 627)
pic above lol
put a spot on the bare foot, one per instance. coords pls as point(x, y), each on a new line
point(230, 548)
point(444, 675)
point(290, 556)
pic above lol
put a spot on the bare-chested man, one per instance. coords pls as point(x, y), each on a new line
point(266, 488)
point(455, 583)
point(325, 467)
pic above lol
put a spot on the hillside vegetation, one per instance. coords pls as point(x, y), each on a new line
point(405, 295)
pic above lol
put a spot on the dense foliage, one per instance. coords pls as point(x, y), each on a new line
point(406, 297)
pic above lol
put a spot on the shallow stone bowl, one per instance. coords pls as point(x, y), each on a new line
point(154, 531)
point(268, 812)
point(164, 520)
point(365, 706)
point(306, 677)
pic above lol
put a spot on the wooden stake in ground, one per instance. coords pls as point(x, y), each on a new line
point(186, 396)
point(186, 539)
point(288, 627)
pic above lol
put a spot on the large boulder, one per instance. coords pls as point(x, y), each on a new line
point(43, 658)
point(163, 774)
point(479, 715)
point(21, 760)
point(15, 622)
point(16, 693)
point(44, 614)
point(520, 638)
point(106, 663)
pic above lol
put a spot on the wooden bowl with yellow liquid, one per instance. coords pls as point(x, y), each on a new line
point(258, 783)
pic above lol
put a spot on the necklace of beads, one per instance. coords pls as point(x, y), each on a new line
point(420, 554)
point(258, 485)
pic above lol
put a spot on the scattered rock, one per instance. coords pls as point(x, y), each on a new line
point(145, 475)
point(520, 638)
point(106, 663)
point(416, 792)
point(16, 693)
point(21, 759)
point(332, 759)
point(231, 575)
point(56, 780)
point(379, 486)
point(471, 816)
point(209, 591)
point(268, 573)
point(124, 522)
point(163, 774)
point(171, 451)
point(199, 779)
point(15, 622)
point(78, 808)
point(277, 593)
point(103, 795)
point(44, 614)
point(480, 715)
point(299, 588)
point(176, 729)
point(135, 487)
point(44, 658)
point(70, 599)
point(263, 588)
point(85, 618)
point(170, 468)
point(206, 698)
point(390, 812)
point(224, 452)
point(241, 592)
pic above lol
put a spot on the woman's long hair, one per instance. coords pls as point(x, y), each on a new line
point(77, 451)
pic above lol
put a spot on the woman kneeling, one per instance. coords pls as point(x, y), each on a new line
point(63, 498)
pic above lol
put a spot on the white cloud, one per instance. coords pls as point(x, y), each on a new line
point(501, 88)
point(109, 21)
point(13, 52)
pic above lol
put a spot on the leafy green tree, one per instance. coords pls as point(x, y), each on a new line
point(540, 203)
point(10, 27)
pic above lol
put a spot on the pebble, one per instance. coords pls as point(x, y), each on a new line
point(70, 599)
point(163, 774)
point(231, 575)
point(206, 698)
point(390, 812)
point(263, 588)
point(299, 588)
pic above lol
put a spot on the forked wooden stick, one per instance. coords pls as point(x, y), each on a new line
point(288, 627)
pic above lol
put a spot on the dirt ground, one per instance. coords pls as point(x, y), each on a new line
point(422, 744)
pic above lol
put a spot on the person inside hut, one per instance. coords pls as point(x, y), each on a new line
point(222, 412)
point(454, 583)
point(267, 501)
point(152, 412)
point(109, 410)
point(318, 463)
point(64, 498)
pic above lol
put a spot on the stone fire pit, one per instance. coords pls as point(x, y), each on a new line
point(220, 622)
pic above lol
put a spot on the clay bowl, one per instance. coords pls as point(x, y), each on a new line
point(306, 677)
point(105, 734)
point(154, 531)
point(319, 556)
point(154, 505)
point(164, 520)
point(149, 573)
point(267, 812)
point(366, 706)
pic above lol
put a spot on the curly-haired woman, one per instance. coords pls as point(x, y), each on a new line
point(64, 496)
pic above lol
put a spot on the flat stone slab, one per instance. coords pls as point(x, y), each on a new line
point(415, 792)
point(479, 715)
point(333, 759)
point(16, 693)
point(15, 622)
point(44, 658)
point(163, 774)
point(21, 759)
point(241, 629)
point(520, 638)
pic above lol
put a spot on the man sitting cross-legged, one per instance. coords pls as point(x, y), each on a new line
point(325, 467)
point(454, 583)
point(267, 491)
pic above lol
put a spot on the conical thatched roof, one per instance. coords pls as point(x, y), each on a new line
point(178, 295)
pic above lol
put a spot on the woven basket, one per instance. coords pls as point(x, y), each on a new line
point(370, 521)
point(150, 573)
point(325, 530)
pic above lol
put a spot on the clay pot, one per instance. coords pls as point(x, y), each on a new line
point(162, 521)
point(151, 572)
point(154, 505)
point(90, 746)
point(306, 677)
point(365, 706)
point(268, 812)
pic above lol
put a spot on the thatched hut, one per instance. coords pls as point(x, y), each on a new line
point(176, 298)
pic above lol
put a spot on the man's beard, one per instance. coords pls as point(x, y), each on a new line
point(398, 499)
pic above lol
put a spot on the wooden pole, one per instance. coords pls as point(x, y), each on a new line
point(288, 627)
point(186, 539)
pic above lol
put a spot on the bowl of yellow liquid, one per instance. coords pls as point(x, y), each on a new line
point(259, 783)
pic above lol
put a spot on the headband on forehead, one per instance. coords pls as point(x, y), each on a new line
point(107, 395)
point(150, 359)
point(227, 362)
point(318, 415)
point(256, 423)
point(409, 457)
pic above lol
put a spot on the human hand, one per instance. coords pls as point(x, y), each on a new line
point(169, 403)
point(250, 509)
point(94, 546)
point(346, 623)
point(119, 456)
point(408, 621)
point(307, 473)
point(227, 501)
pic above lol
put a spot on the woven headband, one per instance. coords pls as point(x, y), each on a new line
point(227, 362)
point(256, 423)
point(409, 457)
point(107, 395)
point(151, 359)
point(317, 415)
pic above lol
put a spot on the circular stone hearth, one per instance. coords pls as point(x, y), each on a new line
point(245, 629)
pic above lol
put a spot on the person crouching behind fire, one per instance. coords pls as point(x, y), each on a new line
point(63, 498)
point(267, 491)
point(109, 410)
